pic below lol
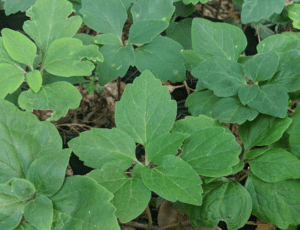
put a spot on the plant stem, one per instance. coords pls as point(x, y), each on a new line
point(119, 88)
point(149, 218)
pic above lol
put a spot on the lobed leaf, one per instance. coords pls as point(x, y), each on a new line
point(64, 58)
point(277, 203)
point(131, 196)
point(146, 109)
point(174, 180)
point(58, 97)
point(45, 30)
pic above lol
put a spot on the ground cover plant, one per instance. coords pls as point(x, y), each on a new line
point(190, 162)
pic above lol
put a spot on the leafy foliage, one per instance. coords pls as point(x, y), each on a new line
point(191, 161)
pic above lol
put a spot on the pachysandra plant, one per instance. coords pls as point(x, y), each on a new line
point(223, 92)
point(60, 55)
point(33, 186)
point(146, 115)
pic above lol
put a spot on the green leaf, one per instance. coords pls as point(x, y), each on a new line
point(255, 153)
point(12, 7)
point(165, 144)
point(4, 56)
point(144, 31)
point(182, 10)
point(194, 2)
point(181, 32)
point(225, 200)
point(264, 31)
point(275, 165)
point(262, 66)
point(11, 208)
point(104, 16)
point(201, 102)
point(39, 212)
point(288, 75)
point(107, 39)
point(152, 9)
point(99, 147)
point(116, 62)
point(48, 173)
point(131, 196)
point(217, 39)
point(10, 80)
point(20, 149)
point(280, 43)
point(22, 189)
point(85, 38)
point(174, 180)
point(277, 203)
point(271, 100)
point(19, 47)
point(293, 13)
point(191, 124)
point(230, 110)
point(34, 80)
point(83, 204)
point(247, 93)
point(58, 97)
point(64, 58)
point(146, 109)
point(264, 130)
point(164, 58)
point(211, 151)
point(223, 76)
point(57, 25)
point(294, 132)
point(255, 10)
point(192, 59)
